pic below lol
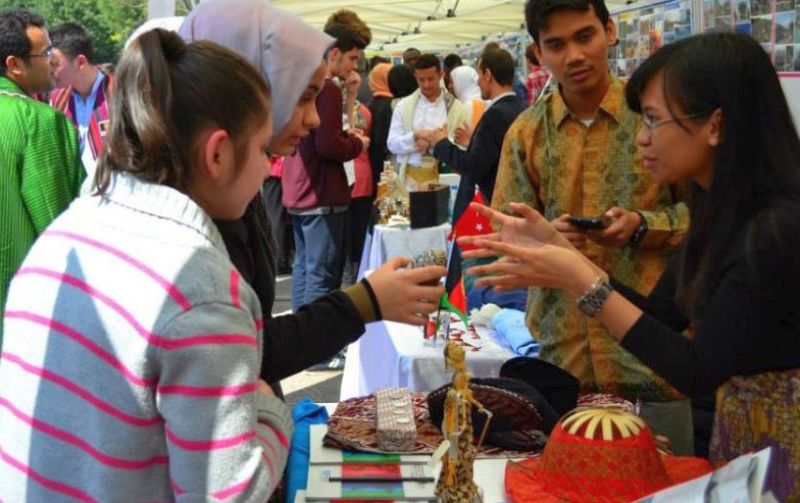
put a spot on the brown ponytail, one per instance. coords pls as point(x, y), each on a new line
point(166, 93)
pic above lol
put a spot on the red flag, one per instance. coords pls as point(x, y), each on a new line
point(457, 297)
point(471, 223)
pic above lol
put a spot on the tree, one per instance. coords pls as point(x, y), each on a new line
point(109, 22)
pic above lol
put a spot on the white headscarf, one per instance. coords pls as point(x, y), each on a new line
point(285, 48)
point(465, 83)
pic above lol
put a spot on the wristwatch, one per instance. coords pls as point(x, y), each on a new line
point(592, 300)
point(640, 232)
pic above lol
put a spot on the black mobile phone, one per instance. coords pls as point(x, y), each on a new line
point(586, 223)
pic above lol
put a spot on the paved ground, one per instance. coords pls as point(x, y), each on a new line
point(318, 386)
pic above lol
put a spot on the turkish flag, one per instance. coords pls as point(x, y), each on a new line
point(471, 223)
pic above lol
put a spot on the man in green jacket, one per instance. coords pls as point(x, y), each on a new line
point(40, 166)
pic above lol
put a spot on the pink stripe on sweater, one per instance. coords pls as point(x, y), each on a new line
point(232, 490)
point(235, 288)
point(87, 396)
point(268, 462)
point(171, 289)
point(44, 481)
point(201, 391)
point(272, 450)
point(150, 337)
point(280, 436)
point(222, 339)
point(266, 458)
point(208, 445)
point(83, 341)
point(178, 490)
point(69, 438)
point(259, 324)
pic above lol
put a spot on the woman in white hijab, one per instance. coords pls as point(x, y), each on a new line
point(289, 53)
point(465, 85)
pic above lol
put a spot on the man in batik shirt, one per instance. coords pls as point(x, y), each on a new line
point(573, 153)
point(40, 167)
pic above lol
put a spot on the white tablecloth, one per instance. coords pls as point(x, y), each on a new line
point(387, 242)
point(391, 354)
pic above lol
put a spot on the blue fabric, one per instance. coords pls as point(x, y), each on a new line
point(319, 256)
point(305, 414)
point(511, 328)
point(512, 299)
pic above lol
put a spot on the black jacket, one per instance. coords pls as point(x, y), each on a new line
point(381, 109)
point(292, 342)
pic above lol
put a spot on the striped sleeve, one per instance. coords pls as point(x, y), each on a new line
point(52, 171)
point(225, 440)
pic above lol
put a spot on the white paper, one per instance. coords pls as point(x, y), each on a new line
point(740, 481)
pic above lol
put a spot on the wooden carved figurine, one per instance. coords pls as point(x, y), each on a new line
point(455, 483)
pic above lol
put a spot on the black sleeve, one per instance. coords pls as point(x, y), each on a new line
point(482, 155)
point(296, 341)
point(381, 122)
point(318, 331)
point(660, 304)
point(743, 331)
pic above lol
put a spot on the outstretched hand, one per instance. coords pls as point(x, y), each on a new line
point(531, 229)
point(547, 266)
point(406, 295)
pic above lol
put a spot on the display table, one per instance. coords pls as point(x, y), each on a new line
point(387, 242)
point(392, 355)
point(489, 475)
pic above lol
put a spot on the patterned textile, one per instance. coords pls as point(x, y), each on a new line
point(61, 99)
point(754, 412)
point(394, 430)
point(558, 165)
point(352, 425)
point(41, 174)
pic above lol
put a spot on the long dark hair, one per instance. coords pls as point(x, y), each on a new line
point(757, 164)
point(166, 92)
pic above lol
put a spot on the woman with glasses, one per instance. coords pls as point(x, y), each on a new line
point(725, 315)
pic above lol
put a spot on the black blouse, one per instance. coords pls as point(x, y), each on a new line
point(751, 322)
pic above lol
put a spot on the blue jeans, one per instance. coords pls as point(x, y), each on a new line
point(319, 254)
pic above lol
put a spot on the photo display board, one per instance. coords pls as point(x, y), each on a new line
point(642, 30)
point(770, 22)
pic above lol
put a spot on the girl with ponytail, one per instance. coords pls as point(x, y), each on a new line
point(130, 366)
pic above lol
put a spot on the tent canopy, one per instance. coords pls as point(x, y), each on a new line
point(428, 25)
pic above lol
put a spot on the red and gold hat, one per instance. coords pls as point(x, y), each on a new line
point(599, 455)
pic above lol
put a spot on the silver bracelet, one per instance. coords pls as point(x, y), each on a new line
point(592, 300)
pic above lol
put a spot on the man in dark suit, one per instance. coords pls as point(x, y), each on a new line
point(478, 164)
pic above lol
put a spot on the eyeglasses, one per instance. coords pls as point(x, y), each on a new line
point(650, 125)
point(47, 53)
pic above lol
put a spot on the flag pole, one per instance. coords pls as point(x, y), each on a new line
point(443, 299)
